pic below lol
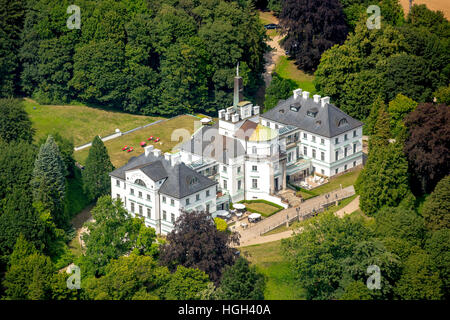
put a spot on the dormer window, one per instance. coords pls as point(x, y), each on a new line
point(342, 122)
point(295, 107)
point(312, 112)
point(192, 180)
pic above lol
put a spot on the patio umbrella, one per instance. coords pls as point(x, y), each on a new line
point(142, 143)
point(239, 206)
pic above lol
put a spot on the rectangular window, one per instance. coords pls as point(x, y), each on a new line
point(197, 197)
point(305, 151)
point(337, 155)
point(140, 210)
point(132, 191)
point(148, 198)
point(345, 152)
point(207, 193)
point(149, 213)
point(354, 133)
point(322, 141)
point(254, 151)
point(172, 202)
point(336, 141)
point(354, 148)
point(354, 163)
point(254, 168)
point(313, 138)
point(225, 184)
point(276, 126)
point(164, 199)
point(172, 217)
point(132, 206)
point(254, 183)
point(207, 208)
point(322, 171)
point(345, 137)
point(224, 169)
point(322, 156)
point(118, 183)
point(305, 136)
point(187, 201)
point(314, 153)
point(337, 170)
point(268, 123)
point(140, 194)
point(239, 169)
point(164, 215)
point(289, 159)
point(117, 196)
point(239, 184)
point(345, 167)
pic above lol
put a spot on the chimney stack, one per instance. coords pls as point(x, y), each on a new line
point(227, 116)
point(316, 98)
point(221, 113)
point(235, 118)
point(297, 93)
point(305, 95)
point(256, 110)
point(325, 100)
point(148, 149)
point(167, 156)
point(157, 152)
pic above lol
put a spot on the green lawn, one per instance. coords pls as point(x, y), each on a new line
point(287, 69)
point(163, 130)
point(79, 122)
point(346, 180)
point(280, 284)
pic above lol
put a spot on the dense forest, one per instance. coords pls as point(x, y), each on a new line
point(150, 57)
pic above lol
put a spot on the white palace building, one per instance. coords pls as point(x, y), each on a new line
point(246, 155)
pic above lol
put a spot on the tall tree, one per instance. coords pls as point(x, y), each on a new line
point(96, 180)
point(428, 145)
point(48, 183)
point(241, 282)
point(279, 89)
point(195, 242)
point(312, 27)
point(398, 109)
point(436, 209)
point(438, 247)
point(186, 284)
point(14, 122)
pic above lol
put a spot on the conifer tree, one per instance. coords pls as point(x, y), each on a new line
point(436, 209)
point(96, 180)
point(48, 182)
point(372, 118)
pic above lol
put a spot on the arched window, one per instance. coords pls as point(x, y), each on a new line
point(342, 122)
point(140, 182)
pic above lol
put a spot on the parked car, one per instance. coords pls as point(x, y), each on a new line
point(271, 26)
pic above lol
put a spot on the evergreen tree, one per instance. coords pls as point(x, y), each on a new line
point(241, 282)
point(14, 123)
point(398, 109)
point(372, 118)
point(48, 183)
point(438, 247)
point(96, 180)
point(436, 209)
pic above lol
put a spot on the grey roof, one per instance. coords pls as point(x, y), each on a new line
point(326, 122)
point(207, 142)
point(180, 180)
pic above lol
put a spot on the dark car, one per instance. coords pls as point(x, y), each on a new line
point(271, 26)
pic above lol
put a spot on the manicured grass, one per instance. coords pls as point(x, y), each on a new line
point(264, 207)
point(346, 180)
point(287, 69)
point(79, 122)
point(75, 198)
point(267, 17)
point(280, 284)
point(169, 138)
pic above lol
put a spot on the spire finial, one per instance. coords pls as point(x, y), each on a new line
point(237, 70)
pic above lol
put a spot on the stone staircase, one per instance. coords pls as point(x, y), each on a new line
point(289, 197)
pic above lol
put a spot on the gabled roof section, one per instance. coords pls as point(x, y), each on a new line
point(180, 180)
point(326, 121)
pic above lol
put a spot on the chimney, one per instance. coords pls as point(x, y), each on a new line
point(167, 156)
point(256, 110)
point(148, 149)
point(325, 100)
point(157, 152)
point(235, 118)
point(221, 113)
point(227, 116)
point(297, 93)
point(305, 95)
point(317, 98)
point(175, 159)
point(237, 88)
